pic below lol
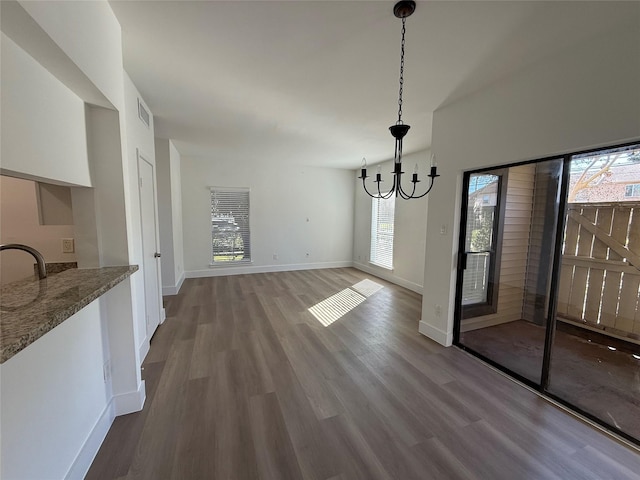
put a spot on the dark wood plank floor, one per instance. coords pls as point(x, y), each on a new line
point(243, 382)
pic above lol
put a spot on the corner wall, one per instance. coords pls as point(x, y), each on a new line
point(170, 214)
point(409, 229)
point(583, 97)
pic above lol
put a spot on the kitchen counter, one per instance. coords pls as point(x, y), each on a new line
point(31, 308)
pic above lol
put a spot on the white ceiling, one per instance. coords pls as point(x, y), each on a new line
point(316, 82)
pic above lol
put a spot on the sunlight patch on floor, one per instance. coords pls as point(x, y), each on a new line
point(332, 308)
point(367, 287)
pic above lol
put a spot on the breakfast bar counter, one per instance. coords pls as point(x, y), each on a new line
point(31, 308)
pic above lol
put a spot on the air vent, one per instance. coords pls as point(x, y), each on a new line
point(143, 113)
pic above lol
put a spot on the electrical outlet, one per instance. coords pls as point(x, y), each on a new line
point(307, 255)
point(275, 256)
point(438, 310)
point(68, 245)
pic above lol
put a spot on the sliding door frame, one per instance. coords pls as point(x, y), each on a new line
point(557, 253)
point(541, 387)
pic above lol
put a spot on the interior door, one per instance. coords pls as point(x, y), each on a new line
point(151, 255)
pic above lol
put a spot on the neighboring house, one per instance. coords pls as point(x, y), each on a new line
point(620, 183)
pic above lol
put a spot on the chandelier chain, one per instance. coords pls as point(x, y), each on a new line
point(402, 10)
point(401, 73)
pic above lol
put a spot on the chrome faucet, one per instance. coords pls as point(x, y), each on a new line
point(42, 269)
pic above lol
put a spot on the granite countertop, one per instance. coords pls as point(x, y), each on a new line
point(30, 308)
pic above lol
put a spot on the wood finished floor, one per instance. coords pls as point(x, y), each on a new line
point(244, 383)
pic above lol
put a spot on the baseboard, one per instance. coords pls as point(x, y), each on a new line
point(163, 315)
point(440, 336)
point(390, 277)
point(173, 290)
point(249, 269)
point(130, 402)
point(90, 447)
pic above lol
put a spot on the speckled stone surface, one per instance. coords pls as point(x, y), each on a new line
point(55, 267)
point(31, 308)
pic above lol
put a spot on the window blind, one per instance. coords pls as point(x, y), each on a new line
point(382, 221)
point(230, 233)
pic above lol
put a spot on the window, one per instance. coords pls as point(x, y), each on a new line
point(382, 219)
point(230, 238)
point(632, 190)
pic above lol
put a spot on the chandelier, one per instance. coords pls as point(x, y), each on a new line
point(402, 9)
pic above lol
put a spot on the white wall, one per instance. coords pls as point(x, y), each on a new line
point(84, 41)
point(89, 34)
point(139, 138)
point(294, 211)
point(42, 122)
point(582, 97)
point(19, 224)
point(168, 163)
point(49, 413)
point(175, 163)
point(409, 229)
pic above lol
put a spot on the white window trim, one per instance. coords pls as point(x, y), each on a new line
point(634, 187)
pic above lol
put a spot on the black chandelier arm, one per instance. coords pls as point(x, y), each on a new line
point(397, 188)
point(430, 186)
point(404, 194)
point(390, 193)
point(379, 192)
point(373, 195)
point(364, 185)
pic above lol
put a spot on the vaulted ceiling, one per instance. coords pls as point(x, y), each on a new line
point(316, 82)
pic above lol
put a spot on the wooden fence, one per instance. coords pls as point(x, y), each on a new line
point(600, 275)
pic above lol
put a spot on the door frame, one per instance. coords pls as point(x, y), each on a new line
point(557, 256)
point(491, 304)
point(142, 157)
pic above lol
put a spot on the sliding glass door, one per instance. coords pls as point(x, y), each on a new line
point(509, 229)
point(595, 358)
point(548, 285)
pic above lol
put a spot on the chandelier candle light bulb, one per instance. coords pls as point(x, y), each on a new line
point(363, 171)
point(402, 10)
point(434, 167)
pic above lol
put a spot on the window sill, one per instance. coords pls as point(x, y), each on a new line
point(381, 266)
point(230, 264)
